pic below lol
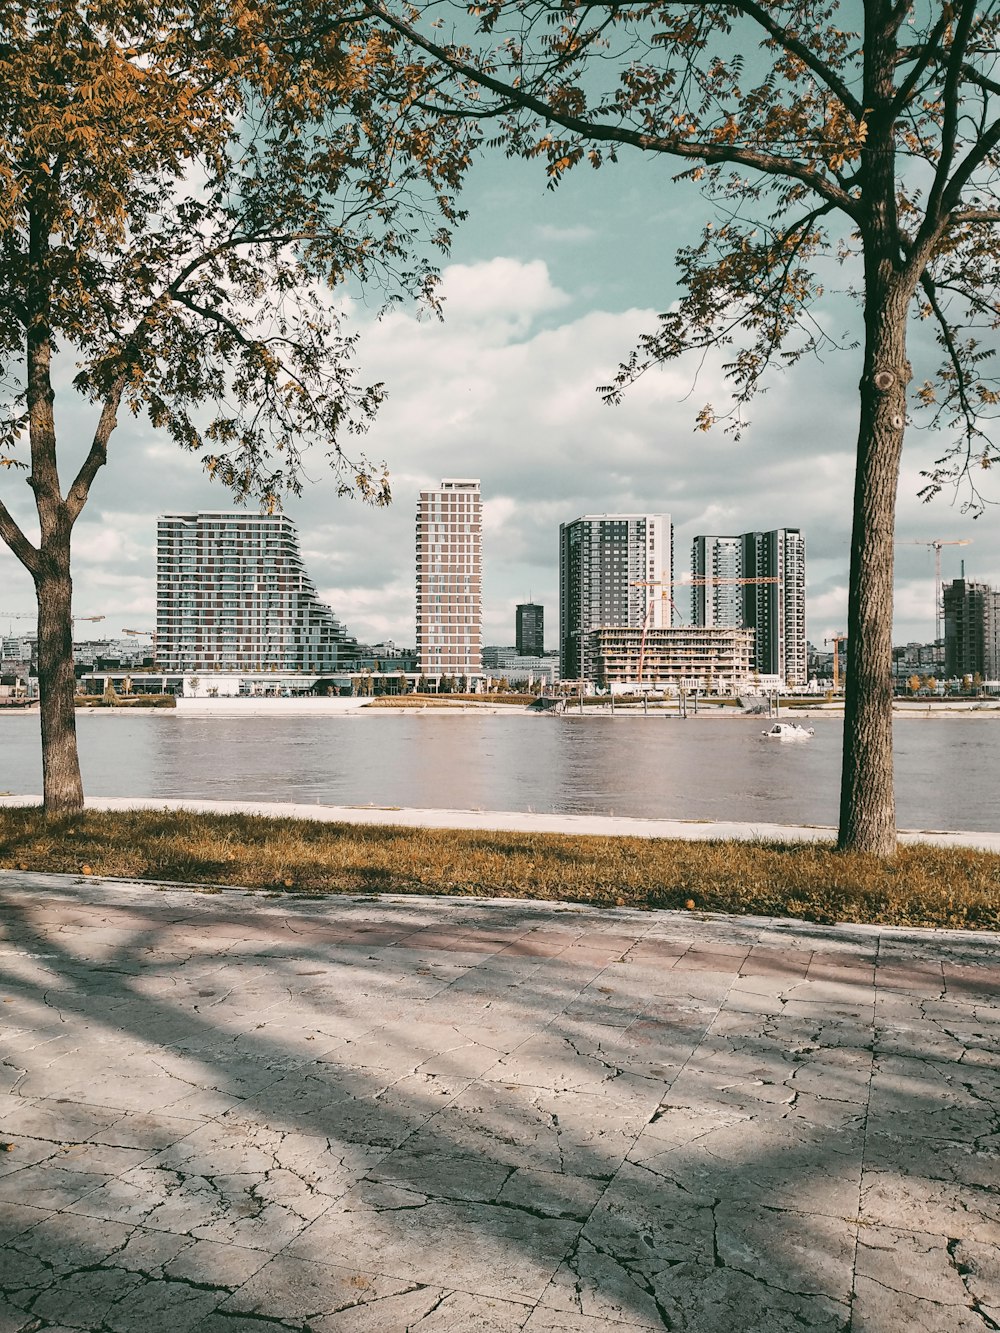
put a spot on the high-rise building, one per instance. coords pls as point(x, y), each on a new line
point(971, 629)
point(449, 579)
point(529, 629)
point(717, 603)
point(756, 581)
point(614, 569)
point(232, 594)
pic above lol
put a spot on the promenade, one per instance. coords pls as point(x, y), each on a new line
point(519, 821)
point(225, 1113)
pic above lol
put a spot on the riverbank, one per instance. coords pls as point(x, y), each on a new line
point(408, 706)
point(927, 884)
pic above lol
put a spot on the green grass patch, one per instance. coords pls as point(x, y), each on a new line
point(923, 886)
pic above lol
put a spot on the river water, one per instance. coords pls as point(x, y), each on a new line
point(699, 768)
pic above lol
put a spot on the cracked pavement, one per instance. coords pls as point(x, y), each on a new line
point(226, 1113)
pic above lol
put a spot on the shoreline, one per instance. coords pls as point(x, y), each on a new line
point(513, 821)
point(323, 707)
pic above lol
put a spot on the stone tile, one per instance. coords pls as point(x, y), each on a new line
point(429, 1310)
point(925, 1282)
point(442, 1174)
point(545, 1320)
point(60, 1119)
point(553, 1193)
point(295, 1289)
point(47, 1186)
point(809, 1168)
point(499, 1251)
point(16, 1218)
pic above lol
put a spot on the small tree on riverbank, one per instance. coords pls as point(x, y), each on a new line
point(179, 191)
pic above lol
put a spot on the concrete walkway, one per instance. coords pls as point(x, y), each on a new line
point(516, 821)
point(227, 1113)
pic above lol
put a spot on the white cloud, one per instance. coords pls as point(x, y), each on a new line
point(504, 389)
point(571, 235)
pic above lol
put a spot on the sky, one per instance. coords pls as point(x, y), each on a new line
point(545, 293)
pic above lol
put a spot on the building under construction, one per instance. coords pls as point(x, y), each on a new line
point(713, 658)
point(971, 629)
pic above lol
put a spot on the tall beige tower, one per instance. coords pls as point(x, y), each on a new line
point(450, 579)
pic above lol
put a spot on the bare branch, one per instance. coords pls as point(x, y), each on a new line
point(949, 127)
point(926, 55)
point(97, 455)
point(11, 533)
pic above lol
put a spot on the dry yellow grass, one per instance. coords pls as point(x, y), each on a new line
point(923, 886)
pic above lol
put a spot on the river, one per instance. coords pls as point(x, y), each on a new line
point(656, 766)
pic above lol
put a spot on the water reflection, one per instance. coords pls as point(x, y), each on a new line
point(701, 768)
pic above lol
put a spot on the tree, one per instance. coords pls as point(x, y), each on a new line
point(793, 121)
point(180, 189)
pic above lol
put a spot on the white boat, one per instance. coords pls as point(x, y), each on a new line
point(787, 731)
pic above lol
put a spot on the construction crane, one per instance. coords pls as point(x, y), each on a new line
point(937, 543)
point(693, 581)
point(836, 640)
point(33, 615)
point(708, 580)
point(150, 633)
point(648, 618)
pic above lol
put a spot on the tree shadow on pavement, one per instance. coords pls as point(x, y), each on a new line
point(235, 1114)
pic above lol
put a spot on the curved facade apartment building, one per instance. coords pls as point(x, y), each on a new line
point(232, 594)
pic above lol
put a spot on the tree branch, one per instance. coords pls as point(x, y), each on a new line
point(770, 164)
point(802, 52)
point(976, 215)
point(13, 536)
point(97, 455)
point(974, 159)
point(927, 55)
point(948, 339)
point(949, 127)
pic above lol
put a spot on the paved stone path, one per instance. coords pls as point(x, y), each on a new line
point(227, 1113)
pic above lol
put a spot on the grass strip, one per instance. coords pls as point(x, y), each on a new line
point(923, 886)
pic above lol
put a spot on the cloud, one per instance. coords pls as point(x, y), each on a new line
point(504, 389)
point(572, 235)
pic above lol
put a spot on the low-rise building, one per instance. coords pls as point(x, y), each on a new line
point(712, 658)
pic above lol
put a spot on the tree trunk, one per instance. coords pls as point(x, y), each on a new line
point(867, 801)
point(62, 784)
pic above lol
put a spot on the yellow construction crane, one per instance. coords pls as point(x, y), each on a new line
point(709, 580)
point(937, 543)
point(836, 640)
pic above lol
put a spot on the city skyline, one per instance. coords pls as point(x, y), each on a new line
point(538, 312)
